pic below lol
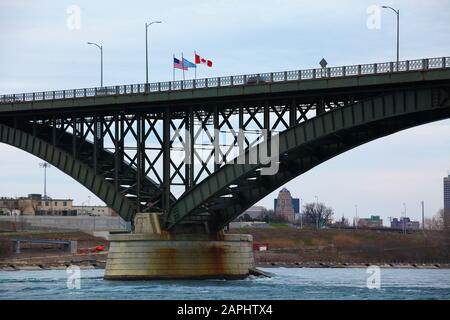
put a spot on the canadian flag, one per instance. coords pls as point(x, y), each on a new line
point(200, 60)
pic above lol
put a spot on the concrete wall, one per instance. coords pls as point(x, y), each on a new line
point(147, 256)
point(83, 223)
point(249, 224)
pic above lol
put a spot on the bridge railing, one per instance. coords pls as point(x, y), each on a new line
point(239, 80)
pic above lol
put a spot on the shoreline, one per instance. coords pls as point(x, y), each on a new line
point(92, 265)
point(321, 265)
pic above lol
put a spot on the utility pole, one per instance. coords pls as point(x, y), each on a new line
point(356, 216)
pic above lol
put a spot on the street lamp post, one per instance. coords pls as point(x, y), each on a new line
point(146, 48)
point(397, 12)
point(101, 62)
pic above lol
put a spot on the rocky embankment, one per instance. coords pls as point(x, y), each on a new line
point(345, 248)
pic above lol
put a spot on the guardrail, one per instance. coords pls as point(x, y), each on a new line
point(239, 80)
point(70, 244)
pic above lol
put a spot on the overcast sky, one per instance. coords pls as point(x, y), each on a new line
point(42, 49)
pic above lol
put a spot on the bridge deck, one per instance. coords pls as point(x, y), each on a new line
point(363, 75)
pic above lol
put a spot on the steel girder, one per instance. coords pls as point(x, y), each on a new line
point(133, 149)
point(104, 162)
point(235, 187)
point(139, 140)
point(66, 163)
point(84, 138)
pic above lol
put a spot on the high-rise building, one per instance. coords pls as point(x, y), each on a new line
point(447, 192)
point(447, 201)
point(284, 205)
point(295, 205)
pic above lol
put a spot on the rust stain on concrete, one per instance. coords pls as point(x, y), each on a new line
point(217, 255)
point(167, 260)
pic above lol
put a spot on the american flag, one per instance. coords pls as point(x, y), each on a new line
point(178, 65)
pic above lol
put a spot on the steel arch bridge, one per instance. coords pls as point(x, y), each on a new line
point(137, 146)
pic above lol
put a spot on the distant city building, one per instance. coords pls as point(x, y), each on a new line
point(447, 201)
point(295, 205)
point(37, 205)
point(94, 211)
point(447, 192)
point(284, 205)
point(405, 223)
point(254, 212)
point(372, 222)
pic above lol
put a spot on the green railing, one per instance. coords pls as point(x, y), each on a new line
point(239, 80)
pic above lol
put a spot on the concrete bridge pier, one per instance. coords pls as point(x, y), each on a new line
point(150, 254)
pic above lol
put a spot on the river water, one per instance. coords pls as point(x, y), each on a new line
point(285, 283)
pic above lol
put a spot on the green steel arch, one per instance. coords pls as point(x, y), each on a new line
point(235, 187)
point(76, 169)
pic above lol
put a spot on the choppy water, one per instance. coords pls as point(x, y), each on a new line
point(286, 283)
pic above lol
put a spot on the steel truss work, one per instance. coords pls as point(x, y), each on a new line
point(176, 157)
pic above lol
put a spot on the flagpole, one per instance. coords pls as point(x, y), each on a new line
point(195, 76)
point(173, 66)
point(182, 64)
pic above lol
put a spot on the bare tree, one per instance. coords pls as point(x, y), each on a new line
point(317, 214)
point(445, 213)
point(343, 223)
point(437, 222)
point(245, 217)
point(267, 215)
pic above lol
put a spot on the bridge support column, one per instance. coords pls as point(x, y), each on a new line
point(153, 254)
